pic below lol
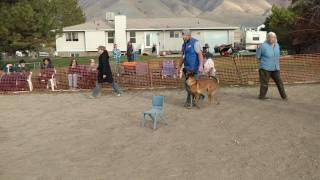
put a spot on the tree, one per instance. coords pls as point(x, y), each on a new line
point(69, 12)
point(298, 26)
point(281, 22)
point(28, 24)
point(307, 26)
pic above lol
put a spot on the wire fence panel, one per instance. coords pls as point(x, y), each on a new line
point(158, 74)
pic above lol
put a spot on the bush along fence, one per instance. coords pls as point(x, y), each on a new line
point(158, 74)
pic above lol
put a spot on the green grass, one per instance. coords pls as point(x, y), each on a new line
point(64, 62)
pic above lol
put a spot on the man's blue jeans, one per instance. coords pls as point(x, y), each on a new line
point(97, 90)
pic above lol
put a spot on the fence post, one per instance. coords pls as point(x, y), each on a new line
point(150, 74)
point(238, 72)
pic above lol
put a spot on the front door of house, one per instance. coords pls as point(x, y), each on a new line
point(151, 38)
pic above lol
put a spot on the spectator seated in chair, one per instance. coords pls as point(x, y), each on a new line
point(16, 79)
point(8, 68)
point(209, 69)
point(168, 69)
point(73, 74)
point(47, 73)
point(21, 67)
point(91, 75)
point(92, 66)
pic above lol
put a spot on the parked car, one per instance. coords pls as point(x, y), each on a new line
point(225, 49)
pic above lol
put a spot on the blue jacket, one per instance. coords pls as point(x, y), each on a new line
point(116, 54)
point(191, 59)
point(269, 56)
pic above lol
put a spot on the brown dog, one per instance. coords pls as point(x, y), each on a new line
point(202, 87)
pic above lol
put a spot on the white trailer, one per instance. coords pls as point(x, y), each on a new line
point(254, 37)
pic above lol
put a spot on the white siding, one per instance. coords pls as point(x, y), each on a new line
point(120, 32)
point(140, 40)
point(95, 39)
point(170, 44)
point(231, 37)
point(90, 40)
point(212, 37)
point(70, 46)
point(215, 38)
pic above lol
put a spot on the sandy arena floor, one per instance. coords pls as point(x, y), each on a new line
point(68, 136)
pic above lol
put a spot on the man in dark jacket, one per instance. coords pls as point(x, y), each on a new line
point(104, 73)
point(130, 52)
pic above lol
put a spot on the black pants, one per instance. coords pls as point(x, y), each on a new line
point(131, 58)
point(264, 81)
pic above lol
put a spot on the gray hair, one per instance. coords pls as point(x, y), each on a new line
point(103, 48)
point(272, 34)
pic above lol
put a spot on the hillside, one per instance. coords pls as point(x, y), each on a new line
point(236, 12)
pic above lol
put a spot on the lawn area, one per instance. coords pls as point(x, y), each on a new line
point(64, 62)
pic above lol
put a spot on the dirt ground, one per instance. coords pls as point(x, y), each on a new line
point(68, 136)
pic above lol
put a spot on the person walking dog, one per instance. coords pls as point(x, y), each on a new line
point(192, 59)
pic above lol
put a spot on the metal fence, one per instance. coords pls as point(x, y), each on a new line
point(160, 74)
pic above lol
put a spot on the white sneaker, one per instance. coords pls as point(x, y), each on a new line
point(118, 95)
point(92, 97)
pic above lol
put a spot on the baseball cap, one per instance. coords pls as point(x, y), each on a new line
point(186, 32)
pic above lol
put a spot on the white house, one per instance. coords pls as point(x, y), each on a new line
point(165, 33)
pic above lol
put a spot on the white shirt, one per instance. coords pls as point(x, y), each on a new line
point(208, 65)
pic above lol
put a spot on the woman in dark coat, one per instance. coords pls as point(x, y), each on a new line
point(130, 52)
point(104, 73)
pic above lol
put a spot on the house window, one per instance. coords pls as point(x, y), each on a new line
point(68, 36)
point(174, 34)
point(256, 38)
point(177, 34)
point(133, 37)
point(171, 34)
point(72, 36)
point(111, 37)
point(148, 39)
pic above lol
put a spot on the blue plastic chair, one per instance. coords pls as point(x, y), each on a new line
point(156, 112)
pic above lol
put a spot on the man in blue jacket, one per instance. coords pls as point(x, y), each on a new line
point(268, 55)
point(192, 59)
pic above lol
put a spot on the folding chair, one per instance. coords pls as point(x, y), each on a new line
point(156, 112)
point(29, 80)
point(52, 82)
point(168, 69)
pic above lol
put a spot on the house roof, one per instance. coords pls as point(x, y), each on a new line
point(92, 25)
point(153, 24)
point(174, 23)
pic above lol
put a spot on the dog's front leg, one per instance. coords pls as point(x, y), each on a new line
point(196, 100)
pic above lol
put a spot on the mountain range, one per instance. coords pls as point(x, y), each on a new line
point(233, 12)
